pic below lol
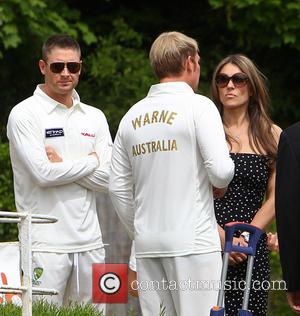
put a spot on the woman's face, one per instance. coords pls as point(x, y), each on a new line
point(232, 95)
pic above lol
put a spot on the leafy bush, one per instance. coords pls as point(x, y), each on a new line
point(278, 305)
point(118, 73)
point(8, 232)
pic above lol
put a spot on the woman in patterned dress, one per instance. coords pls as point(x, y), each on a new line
point(240, 93)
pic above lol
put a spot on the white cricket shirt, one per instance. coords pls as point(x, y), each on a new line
point(169, 151)
point(66, 189)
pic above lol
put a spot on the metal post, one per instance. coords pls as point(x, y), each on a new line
point(26, 264)
point(25, 221)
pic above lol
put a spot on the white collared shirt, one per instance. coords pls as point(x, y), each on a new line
point(66, 190)
point(169, 151)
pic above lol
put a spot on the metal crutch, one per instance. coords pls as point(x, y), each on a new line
point(255, 234)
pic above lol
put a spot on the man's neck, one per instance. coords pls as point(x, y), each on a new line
point(65, 99)
point(180, 78)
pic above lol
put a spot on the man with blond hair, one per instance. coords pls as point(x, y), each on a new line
point(169, 153)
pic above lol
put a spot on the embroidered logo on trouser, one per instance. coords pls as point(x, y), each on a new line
point(37, 273)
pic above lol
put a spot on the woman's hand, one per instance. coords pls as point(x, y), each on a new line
point(273, 242)
point(238, 257)
point(219, 193)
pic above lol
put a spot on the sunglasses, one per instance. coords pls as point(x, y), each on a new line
point(59, 66)
point(239, 80)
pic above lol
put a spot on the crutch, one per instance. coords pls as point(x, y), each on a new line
point(254, 236)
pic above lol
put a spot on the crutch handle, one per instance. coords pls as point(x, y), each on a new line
point(255, 234)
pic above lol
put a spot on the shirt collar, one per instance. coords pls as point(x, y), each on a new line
point(50, 104)
point(177, 87)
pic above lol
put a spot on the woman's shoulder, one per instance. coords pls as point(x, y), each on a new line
point(276, 131)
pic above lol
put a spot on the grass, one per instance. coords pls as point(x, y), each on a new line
point(43, 308)
point(46, 309)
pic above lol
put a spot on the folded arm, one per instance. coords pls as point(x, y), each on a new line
point(27, 143)
point(99, 178)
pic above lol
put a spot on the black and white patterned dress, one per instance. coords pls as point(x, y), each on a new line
point(242, 200)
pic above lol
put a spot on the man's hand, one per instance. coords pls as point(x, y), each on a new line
point(52, 155)
point(95, 154)
point(294, 301)
point(219, 193)
point(132, 283)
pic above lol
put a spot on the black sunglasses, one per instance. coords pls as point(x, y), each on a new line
point(239, 80)
point(59, 66)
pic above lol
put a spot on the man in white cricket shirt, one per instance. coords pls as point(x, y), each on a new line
point(60, 150)
point(169, 153)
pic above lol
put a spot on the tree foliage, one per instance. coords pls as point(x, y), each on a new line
point(8, 232)
point(272, 23)
point(118, 72)
point(21, 20)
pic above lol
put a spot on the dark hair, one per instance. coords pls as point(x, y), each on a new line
point(61, 41)
point(261, 134)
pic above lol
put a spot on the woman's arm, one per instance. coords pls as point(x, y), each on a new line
point(266, 213)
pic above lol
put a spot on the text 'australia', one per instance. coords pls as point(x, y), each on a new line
point(154, 146)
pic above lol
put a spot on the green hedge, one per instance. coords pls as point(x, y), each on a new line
point(8, 232)
point(278, 305)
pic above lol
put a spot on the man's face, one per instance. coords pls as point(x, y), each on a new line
point(61, 83)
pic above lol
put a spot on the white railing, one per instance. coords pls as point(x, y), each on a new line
point(25, 220)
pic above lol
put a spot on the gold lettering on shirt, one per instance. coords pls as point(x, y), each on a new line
point(154, 117)
point(171, 118)
point(162, 116)
point(137, 122)
point(146, 119)
point(154, 146)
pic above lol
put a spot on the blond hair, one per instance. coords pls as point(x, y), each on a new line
point(169, 52)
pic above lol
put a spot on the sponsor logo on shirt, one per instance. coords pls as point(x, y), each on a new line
point(54, 132)
point(87, 134)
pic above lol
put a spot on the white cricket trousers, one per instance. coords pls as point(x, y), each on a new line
point(69, 273)
point(184, 286)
